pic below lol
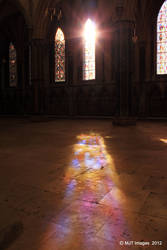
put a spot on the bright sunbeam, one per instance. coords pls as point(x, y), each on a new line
point(90, 31)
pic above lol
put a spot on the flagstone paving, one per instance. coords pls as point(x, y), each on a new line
point(82, 185)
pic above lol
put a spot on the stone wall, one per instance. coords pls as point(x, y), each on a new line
point(126, 81)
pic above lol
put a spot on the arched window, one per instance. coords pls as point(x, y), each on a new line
point(12, 66)
point(89, 67)
point(59, 56)
point(162, 40)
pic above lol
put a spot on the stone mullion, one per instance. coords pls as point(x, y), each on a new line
point(99, 58)
point(79, 59)
point(69, 61)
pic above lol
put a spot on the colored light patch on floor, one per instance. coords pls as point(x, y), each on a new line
point(90, 152)
point(163, 140)
point(89, 177)
point(67, 208)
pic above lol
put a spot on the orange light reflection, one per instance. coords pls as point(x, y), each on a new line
point(94, 205)
point(163, 140)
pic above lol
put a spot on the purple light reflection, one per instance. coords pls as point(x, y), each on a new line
point(94, 205)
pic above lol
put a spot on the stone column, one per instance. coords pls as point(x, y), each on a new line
point(37, 70)
point(70, 45)
point(124, 34)
point(142, 61)
point(2, 66)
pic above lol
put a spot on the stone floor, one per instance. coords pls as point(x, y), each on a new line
point(82, 185)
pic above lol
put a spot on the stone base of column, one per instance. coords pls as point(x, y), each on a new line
point(124, 121)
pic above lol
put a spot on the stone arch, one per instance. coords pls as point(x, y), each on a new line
point(21, 9)
point(42, 20)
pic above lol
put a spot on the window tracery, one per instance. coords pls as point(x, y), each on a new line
point(89, 69)
point(59, 56)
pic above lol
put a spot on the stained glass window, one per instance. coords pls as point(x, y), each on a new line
point(12, 66)
point(59, 56)
point(162, 40)
point(89, 51)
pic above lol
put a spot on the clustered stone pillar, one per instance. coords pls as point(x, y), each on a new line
point(124, 34)
point(37, 70)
